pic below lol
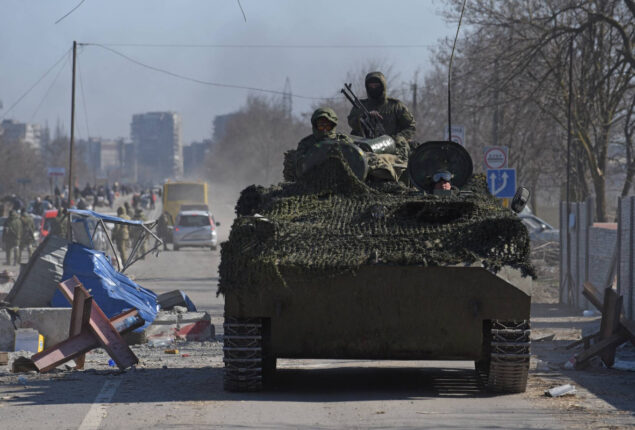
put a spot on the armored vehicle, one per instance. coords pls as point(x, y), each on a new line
point(325, 265)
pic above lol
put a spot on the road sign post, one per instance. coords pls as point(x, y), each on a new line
point(495, 157)
point(457, 135)
point(501, 182)
point(53, 172)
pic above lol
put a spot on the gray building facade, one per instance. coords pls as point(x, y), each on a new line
point(157, 140)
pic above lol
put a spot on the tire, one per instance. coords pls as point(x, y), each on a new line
point(213, 247)
point(504, 365)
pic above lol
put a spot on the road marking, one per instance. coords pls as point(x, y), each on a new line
point(97, 411)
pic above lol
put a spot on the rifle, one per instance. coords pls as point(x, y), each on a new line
point(371, 126)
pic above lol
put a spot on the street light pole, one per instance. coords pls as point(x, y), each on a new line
point(72, 142)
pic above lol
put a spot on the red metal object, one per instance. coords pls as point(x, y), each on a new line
point(90, 328)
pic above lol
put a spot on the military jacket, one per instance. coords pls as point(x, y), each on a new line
point(27, 229)
point(12, 232)
point(397, 121)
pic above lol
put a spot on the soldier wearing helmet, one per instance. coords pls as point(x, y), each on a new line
point(324, 123)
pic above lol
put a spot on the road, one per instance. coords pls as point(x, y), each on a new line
point(186, 392)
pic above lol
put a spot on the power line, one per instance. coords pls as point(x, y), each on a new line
point(71, 11)
point(59, 72)
point(35, 84)
point(242, 10)
point(260, 46)
point(199, 81)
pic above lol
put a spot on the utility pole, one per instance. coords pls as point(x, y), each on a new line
point(496, 106)
point(287, 98)
point(413, 87)
point(70, 152)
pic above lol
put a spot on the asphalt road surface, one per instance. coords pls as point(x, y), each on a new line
point(177, 392)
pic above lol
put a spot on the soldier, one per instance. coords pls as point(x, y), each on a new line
point(441, 183)
point(138, 232)
point(397, 120)
point(120, 236)
point(28, 229)
point(11, 236)
point(58, 225)
point(324, 122)
point(162, 229)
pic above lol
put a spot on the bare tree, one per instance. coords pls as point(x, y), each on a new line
point(525, 47)
point(255, 140)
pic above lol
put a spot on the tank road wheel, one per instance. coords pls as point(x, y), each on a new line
point(242, 351)
point(505, 363)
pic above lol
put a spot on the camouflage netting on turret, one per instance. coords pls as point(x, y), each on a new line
point(331, 223)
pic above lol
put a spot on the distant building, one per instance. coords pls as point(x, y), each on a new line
point(157, 140)
point(220, 126)
point(14, 132)
point(194, 157)
point(109, 159)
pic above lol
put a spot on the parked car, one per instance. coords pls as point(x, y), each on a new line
point(539, 229)
point(195, 228)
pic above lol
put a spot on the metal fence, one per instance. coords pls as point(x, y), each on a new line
point(597, 253)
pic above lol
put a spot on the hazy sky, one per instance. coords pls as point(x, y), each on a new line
point(112, 89)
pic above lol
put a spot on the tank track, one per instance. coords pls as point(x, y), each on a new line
point(508, 353)
point(242, 351)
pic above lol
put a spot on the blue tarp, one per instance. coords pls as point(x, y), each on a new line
point(111, 290)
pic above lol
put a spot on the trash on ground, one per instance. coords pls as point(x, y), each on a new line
point(28, 339)
point(590, 313)
point(171, 351)
point(177, 323)
point(542, 365)
point(570, 364)
point(547, 338)
point(4, 358)
point(562, 390)
point(167, 301)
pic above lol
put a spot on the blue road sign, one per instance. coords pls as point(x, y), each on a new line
point(502, 182)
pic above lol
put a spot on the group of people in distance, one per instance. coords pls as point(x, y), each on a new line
point(397, 122)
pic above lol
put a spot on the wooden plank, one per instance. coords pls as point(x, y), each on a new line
point(597, 348)
point(80, 314)
point(610, 323)
point(593, 295)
